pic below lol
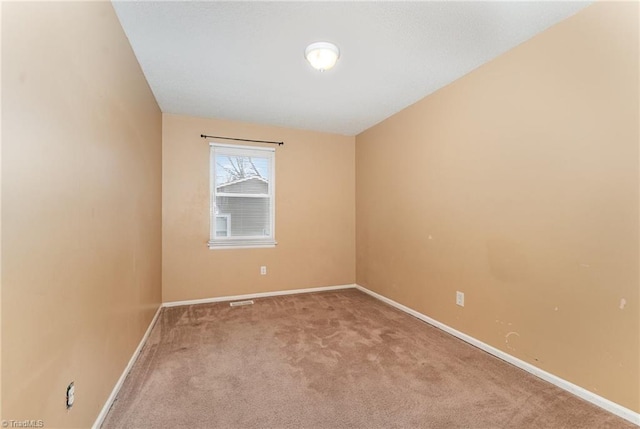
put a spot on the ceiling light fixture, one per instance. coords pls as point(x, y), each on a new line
point(322, 55)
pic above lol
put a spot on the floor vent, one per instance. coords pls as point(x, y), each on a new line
point(239, 303)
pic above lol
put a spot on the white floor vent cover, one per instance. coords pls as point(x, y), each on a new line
point(239, 303)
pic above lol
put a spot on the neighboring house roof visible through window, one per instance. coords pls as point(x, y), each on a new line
point(253, 184)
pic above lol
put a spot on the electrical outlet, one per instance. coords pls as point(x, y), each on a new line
point(263, 270)
point(460, 298)
point(71, 391)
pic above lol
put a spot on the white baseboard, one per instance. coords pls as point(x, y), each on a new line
point(256, 295)
point(581, 392)
point(116, 388)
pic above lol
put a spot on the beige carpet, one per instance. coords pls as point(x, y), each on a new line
point(330, 360)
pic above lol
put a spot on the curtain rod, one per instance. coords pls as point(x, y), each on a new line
point(240, 140)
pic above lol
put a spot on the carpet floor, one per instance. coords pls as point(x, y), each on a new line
point(330, 360)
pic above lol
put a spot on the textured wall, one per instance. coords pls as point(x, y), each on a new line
point(315, 213)
point(81, 189)
point(518, 185)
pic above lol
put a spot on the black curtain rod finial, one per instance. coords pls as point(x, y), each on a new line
point(204, 136)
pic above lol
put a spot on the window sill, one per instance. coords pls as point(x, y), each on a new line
point(241, 245)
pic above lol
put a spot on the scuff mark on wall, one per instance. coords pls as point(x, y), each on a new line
point(506, 339)
point(623, 302)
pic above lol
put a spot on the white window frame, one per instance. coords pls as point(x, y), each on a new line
point(248, 241)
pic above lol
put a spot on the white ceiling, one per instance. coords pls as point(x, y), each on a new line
point(245, 60)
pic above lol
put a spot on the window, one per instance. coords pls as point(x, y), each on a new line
point(242, 197)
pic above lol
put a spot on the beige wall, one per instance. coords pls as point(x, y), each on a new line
point(518, 185)
point(81, 189)
point(315, 213)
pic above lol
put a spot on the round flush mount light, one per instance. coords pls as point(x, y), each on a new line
point(322, 55)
